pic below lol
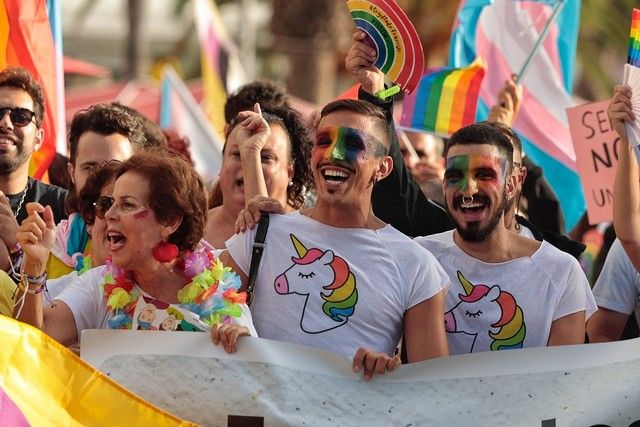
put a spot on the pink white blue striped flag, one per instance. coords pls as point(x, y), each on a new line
point(504, 33)
point(180, 111)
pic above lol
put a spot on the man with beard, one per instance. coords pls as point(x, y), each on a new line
point(21, 114)
point(507, 291)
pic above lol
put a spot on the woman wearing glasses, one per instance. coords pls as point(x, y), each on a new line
point(157, 277)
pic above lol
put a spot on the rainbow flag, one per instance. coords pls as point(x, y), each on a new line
point(43, 383)
point(26, 40)
point(222, 71)
point(446, 100)
point(633, 57)
point(503, 32)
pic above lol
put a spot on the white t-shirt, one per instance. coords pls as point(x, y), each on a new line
point(618, 286)
point(499, 306)
point(336, 288)
point(85, 298)
point(57, 285)
point(526, 232)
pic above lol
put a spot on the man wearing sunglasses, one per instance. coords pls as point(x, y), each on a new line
point(21, 133)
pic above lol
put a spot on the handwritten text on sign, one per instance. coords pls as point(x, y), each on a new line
point(596, 145)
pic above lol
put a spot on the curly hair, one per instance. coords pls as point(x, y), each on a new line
point(300, 145)
point(268, 94)
point(21, 78)
point(175, 191)
point(90, 193)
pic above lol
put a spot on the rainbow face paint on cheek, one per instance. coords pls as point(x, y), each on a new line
point(461, 168)
point(338, 143)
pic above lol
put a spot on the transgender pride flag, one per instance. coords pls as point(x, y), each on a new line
point(503, 32)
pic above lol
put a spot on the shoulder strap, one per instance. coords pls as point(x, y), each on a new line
point(256, 254)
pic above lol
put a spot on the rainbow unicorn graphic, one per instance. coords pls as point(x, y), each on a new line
point(491, 316)
point(312, 272)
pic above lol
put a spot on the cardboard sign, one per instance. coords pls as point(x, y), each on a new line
point(596, 144)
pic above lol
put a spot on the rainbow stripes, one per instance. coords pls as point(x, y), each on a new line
point(26, 41)
point(393, 36)
point(633, 57)
point(445, 101)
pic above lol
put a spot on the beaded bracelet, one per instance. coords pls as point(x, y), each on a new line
point(36, 280)
point(24, 287)
point(15, 248)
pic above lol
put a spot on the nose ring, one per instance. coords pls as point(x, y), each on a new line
point(467, 200)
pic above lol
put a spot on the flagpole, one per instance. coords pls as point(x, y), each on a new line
point(541, 38)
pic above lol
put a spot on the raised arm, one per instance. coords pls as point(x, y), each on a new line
point(36, 235)
point(397, 199)
point(253, 133)
point(626, 187)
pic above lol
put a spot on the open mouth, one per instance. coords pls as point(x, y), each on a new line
point(6, 142)
point(475, 209)
point(240, 183)
point(335, 176)
point(116, 240)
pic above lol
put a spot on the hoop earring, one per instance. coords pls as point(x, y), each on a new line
point(467, 200)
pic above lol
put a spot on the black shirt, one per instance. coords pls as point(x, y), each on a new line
point(42, 193)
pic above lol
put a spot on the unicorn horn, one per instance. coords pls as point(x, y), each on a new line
point(467, 285)
point(300, 249)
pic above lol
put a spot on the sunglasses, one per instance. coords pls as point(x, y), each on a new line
point(20, 117)
point(102, 205)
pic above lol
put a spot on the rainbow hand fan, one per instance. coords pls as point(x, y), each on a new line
point(445, 101)
point(631, 78)
point(395, 39)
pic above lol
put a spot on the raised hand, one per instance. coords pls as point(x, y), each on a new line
point(253, 132)
point(359, 62)
point(8, 223)
point(620, 110)
point(36, 234)
point(508, 104)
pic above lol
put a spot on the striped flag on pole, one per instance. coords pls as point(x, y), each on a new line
point(504, 32)
point(26, 40)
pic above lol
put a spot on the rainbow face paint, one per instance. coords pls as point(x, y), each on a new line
point(463, 167)
point(339, 143)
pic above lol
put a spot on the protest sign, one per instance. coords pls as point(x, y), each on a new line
point(596, 145)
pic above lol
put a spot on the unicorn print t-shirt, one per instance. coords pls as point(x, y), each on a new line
point(336, 288)
point(501, 306)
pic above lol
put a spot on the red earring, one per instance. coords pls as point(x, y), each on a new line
point(165, 251)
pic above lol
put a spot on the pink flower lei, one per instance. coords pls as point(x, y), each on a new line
point(212, 293)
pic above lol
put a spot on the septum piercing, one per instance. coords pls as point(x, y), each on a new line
point(467, 200)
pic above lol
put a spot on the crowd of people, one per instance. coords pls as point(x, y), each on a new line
point(377, 249)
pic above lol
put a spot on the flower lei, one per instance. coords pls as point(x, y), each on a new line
point(212, 293)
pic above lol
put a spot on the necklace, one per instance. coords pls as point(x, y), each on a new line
point(24, 194)
point(212, 295)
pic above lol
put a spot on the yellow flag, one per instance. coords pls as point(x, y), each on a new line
point(43, 383)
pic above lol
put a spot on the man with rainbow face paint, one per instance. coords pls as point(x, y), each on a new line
point(335, 276)
point(507, 291)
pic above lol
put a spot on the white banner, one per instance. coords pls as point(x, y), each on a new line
point(280, 383)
